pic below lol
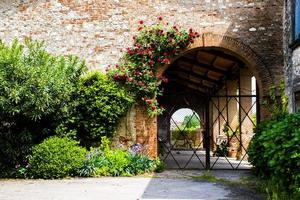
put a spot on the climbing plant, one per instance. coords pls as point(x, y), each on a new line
point(154, 45)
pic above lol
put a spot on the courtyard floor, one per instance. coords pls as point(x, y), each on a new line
point(170, 184)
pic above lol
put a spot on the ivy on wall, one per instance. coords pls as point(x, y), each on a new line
point(153, 46)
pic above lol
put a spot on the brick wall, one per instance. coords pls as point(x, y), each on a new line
point(97, 30)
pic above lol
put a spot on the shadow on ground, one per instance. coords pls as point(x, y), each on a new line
point(221, 184)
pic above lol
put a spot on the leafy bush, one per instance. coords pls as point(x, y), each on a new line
point(275, 152)
point(35, 87)
point(104, 161)
point(56, 158)
point(98, 105)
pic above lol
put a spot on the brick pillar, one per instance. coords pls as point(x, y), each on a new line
point(146, 130)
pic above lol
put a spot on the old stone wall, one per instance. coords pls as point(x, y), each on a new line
point(97, 30)
point(291, 58)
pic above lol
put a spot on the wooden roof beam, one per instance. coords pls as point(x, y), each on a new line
point(203, 65)
point(189, 73)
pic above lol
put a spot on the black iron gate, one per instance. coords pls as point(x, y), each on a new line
point(208, 132)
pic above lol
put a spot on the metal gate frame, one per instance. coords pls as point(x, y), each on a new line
point(209, 125)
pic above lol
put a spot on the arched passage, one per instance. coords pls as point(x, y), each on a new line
point(223, 86)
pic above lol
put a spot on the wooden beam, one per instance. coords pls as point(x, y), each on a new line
point(191, 85)
point(188, 73)
point(203, 65)
point(224, 55)
point(192, 82)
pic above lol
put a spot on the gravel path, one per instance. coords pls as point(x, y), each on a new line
point(167, 185)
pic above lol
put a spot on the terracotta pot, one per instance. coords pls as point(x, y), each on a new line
point(232, 152)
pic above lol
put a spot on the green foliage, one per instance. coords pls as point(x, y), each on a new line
point(97, 107)
point(184, 134)
point(56, 158)
point(35, 87)
point(104, 161)
point(277, 103)
point(191, 122)
point(222, 149)
point(153, 46)
point(275, 152)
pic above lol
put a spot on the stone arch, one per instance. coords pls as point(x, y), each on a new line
point(238, 49)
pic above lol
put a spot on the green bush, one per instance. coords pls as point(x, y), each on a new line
point(35, 89)
point(98, 105)
point(275, 152)
point(56, 158)
point(104, 161)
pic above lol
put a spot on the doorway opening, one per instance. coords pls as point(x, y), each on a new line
point(212, 110)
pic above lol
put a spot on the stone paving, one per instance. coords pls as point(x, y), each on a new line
point(167, 185)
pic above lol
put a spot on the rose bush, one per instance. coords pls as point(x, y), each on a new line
point(153, 46)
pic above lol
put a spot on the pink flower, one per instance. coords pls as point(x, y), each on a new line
point(116, 76)
point(141, 22)
point(130, 79)
point(171, 40)
point(165, 80)
point(160, 18)
point(166, 54)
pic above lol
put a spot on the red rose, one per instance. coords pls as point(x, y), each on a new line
point(153, 107)
point(166, 54)
point(171, 40)
point(191, 30)
point(148, 101)
point(151, 62)
point(140, 28)
point(160, 18)
point(141, 22)
point(166, 60)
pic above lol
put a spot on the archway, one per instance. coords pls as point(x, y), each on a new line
point(221, 87)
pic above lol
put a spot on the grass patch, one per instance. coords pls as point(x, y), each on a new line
point(250, 183)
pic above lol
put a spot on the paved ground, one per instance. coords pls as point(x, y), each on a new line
point(167, 185)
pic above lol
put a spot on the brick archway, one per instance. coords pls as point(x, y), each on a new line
point(239, 50)
point(140, 123)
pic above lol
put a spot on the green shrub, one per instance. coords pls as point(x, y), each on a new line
point(275, 152)
point(104, 161)
point(98, 105)
point(56, 158)
point(35, 88)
